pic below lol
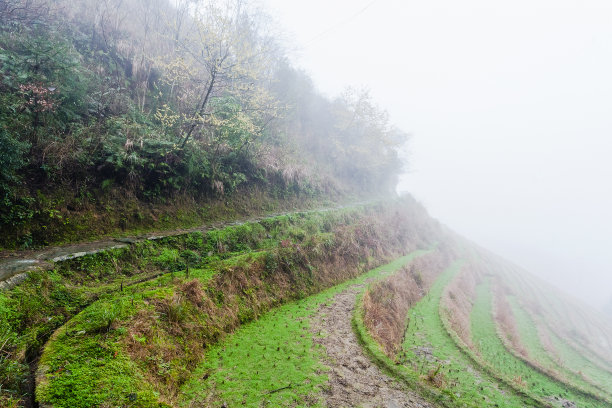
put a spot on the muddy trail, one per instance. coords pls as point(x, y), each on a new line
point(354, 381)
point(14, 264)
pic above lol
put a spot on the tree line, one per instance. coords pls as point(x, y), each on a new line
point(166, 97)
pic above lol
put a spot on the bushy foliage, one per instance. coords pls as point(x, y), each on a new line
point(157, 99)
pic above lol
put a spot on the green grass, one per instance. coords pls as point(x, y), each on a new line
point(32, 311)
point(579, 363)
point(84, 361)
point(528, 334)
point(464, 385)
point(88, 370)
point(252, 366)
point(530, 338)
point(492, 350)
point(177, 330)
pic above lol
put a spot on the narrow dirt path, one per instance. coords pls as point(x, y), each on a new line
point(15, 264)
point(354, 381)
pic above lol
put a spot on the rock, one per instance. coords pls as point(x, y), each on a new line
point(126, 240)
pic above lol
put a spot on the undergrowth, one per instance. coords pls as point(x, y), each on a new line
point(252, 271)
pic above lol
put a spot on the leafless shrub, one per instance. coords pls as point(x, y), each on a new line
point(24, 11)
point(436, 377)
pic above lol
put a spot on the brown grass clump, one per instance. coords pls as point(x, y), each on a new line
point(519, 382)
point(436, 377)
point(458, 300)
point(387, 302)
point(506, 322)
point(194, 292)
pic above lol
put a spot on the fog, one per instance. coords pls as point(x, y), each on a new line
point(508, 104)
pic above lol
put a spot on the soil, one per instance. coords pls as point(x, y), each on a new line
point(354, 381)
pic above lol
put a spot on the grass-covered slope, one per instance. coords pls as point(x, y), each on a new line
point(273, 361)
point(440, 363)
point(543, 354)
point(224, 316)
point(545, 388)
point(159, 325)
point(472, 339)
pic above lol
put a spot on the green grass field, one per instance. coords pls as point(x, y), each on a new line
point(491, 348)
point(272, 361)
point(579, 363)
point(530, 338)
point(429, 348)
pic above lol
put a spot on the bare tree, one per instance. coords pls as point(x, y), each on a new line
point(23, 11)
point(222, 55)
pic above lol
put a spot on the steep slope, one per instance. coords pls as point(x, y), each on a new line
point(490, 324)
point(139, 312)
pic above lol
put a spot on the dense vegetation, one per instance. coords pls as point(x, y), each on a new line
point(120, 116)
point(117, 106)
point(135, 322)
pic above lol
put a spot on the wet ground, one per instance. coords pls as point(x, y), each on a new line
point(354, 381)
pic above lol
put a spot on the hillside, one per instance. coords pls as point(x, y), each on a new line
point(128, 116)
point(372, 304)
point(187, 222)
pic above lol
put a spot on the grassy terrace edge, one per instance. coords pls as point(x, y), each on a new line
point(369, 239)
point(310, 371)
point(479, 362)
point(485, 308)
point(45, 299)
point(444, 398)
point(554, 377)
point(375, 351)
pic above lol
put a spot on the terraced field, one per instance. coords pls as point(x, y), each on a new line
point(297, 311)
point(473, 364)
point(525, 378)
point(559, 359)
point(432, 360)
point(281, 360)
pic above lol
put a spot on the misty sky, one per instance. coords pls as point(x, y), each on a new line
point(509, 104)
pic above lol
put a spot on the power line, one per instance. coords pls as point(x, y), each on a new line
point(324, 33)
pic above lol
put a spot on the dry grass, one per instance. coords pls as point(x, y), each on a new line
point(458, 300)
point(168, 338)
point(386, 303)
point(436, 377)
point(506, 321)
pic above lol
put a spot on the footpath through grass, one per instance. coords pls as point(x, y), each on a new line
point(432, 354)
point(491, 348)
point(272, 361)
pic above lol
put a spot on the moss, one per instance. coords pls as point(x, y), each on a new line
point(65, 217)
point(276, 260)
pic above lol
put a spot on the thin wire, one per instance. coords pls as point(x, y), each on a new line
point(324, 33)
